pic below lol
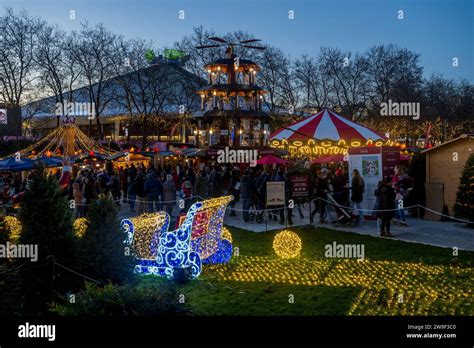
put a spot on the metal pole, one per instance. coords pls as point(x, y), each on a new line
point(320, 211)
point(266, 217)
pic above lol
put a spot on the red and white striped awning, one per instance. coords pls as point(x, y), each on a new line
point(324, 125)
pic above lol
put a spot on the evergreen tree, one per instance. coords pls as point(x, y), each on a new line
point(47, 222)
point(464, 206)
point(47, 218)
point(103, 254)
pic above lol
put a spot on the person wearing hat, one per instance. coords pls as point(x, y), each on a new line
point(169, 194)
point(357, 196)
point(187, 193)
point(153, 190)
point(339, 187)
point(386, 207)
point(321, 190)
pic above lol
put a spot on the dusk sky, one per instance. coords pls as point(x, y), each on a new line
point(437, 29)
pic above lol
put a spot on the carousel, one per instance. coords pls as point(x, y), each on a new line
point(62, 147)
point(323, 135)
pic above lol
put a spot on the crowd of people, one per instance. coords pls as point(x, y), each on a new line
point(150, 189)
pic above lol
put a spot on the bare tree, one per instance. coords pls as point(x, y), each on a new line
point(347, 76)
point(197, 59)
point(391, 68)
point(144, 88)
point(17, 65)
point(273, 63)
point(56, 64)
point(314, 87)
point(91, 48)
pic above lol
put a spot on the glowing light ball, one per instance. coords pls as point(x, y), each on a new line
point(79, 227)
point(226, 234)
point(13, 225)
point(287, 244)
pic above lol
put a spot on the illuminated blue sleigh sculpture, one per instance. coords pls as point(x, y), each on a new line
point(197, 241)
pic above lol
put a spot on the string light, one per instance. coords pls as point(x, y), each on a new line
point(327, 147)
point(13, 225)
point(424, 287)
point(68, 137)
point(226, 234)
point(79, 227)
point(287, 244)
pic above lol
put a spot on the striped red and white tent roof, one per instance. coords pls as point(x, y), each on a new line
point(325, 124)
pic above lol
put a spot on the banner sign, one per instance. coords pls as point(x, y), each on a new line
point(369, 165)
point(299, 185)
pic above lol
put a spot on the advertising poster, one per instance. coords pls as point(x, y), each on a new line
point(299, 185)
point(275, 193)
point(368, 161)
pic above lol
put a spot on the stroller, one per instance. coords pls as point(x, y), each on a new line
point(344, 217)
point(257, 212)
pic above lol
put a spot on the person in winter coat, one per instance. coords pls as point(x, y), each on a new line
point(357, 188)
point(321, 189)
point(248, 190)
point(187, 193)
point(201, 186)
point(339, 187)
point(77, 194)
point(262, 186)
point(123, 177)
point(217, 183)
point(115, 188)
point(169, 194)
point(140, 191)
point(386, 207)
point(131, 192)
point(234, 189)
point(153, 191)
point(377, 203)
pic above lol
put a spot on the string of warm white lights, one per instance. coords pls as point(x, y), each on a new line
point(65, 140)
point(287, 244)
point(79, 227)
point(404, 288)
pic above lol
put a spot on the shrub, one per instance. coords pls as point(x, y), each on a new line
point(102, 252)
point(47, 218)
point(12, 298)
point(157, 298)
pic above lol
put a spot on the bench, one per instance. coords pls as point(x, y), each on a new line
point(197, 240)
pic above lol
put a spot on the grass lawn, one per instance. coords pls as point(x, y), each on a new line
point(396, 278)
